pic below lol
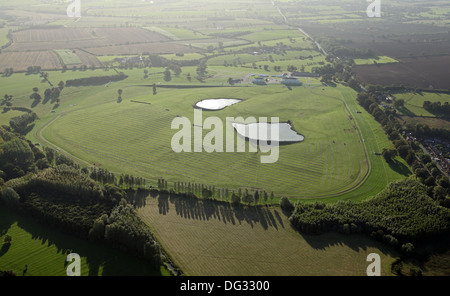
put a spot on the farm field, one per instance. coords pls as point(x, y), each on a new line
point(68, 57)
point(211, 238)
point(375, 61)
point(422, 72)
point(414, 102)
point(413, 112)
point(20, 61)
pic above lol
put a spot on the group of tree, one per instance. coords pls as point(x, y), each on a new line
point(35, 95)
point(18, 156)
point(167, 75)
point(124, 229)
point(33, 70)
point(129, 181)
point(202, 69)
point(52, 94)
point(7, 100)
point(196, 190)
point(343, 49)
point(20, 123)
point(101, 175)
point(96, 80)
point(8, 72)
point(402, 213)
point(119, 93)
point(437, 108)
point(423, 130)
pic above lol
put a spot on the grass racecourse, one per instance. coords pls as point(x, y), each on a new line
point(335, 160)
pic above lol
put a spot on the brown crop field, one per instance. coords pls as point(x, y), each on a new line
point(128, 35)
point(88, 59)
point(421, 72)
point(20, 61)
point(207, 238)
point(52, 35)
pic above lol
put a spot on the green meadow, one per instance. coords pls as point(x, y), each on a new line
point(374, 61)
point(68, 57)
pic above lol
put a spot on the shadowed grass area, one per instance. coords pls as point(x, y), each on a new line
point(44, 251)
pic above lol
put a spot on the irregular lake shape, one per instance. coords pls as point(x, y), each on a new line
point(263, 132)
point(216, 104)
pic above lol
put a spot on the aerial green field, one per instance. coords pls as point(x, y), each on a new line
point(414, 102)
point(378, 60)
point(68, 57)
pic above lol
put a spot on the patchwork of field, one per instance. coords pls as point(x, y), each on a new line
point(215, 239)
point(33, 47)
point(417, 38)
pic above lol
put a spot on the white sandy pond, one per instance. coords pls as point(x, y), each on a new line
point(263, 132)
point(216, 104)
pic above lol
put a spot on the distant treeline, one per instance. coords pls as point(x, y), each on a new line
point(343, 48)
point(96, 80)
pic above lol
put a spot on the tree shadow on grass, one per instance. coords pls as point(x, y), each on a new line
point(4, 249)
point(405, 111)
point(400, 168)
point(206, 210)
point(356, 241)
point(35, 103)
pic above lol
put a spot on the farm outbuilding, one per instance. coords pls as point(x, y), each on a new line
point(291, 82)
point(259, 81)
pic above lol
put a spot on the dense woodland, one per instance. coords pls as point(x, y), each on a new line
point(53, 190)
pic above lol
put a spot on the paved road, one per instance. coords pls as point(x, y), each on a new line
point(301, 30)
